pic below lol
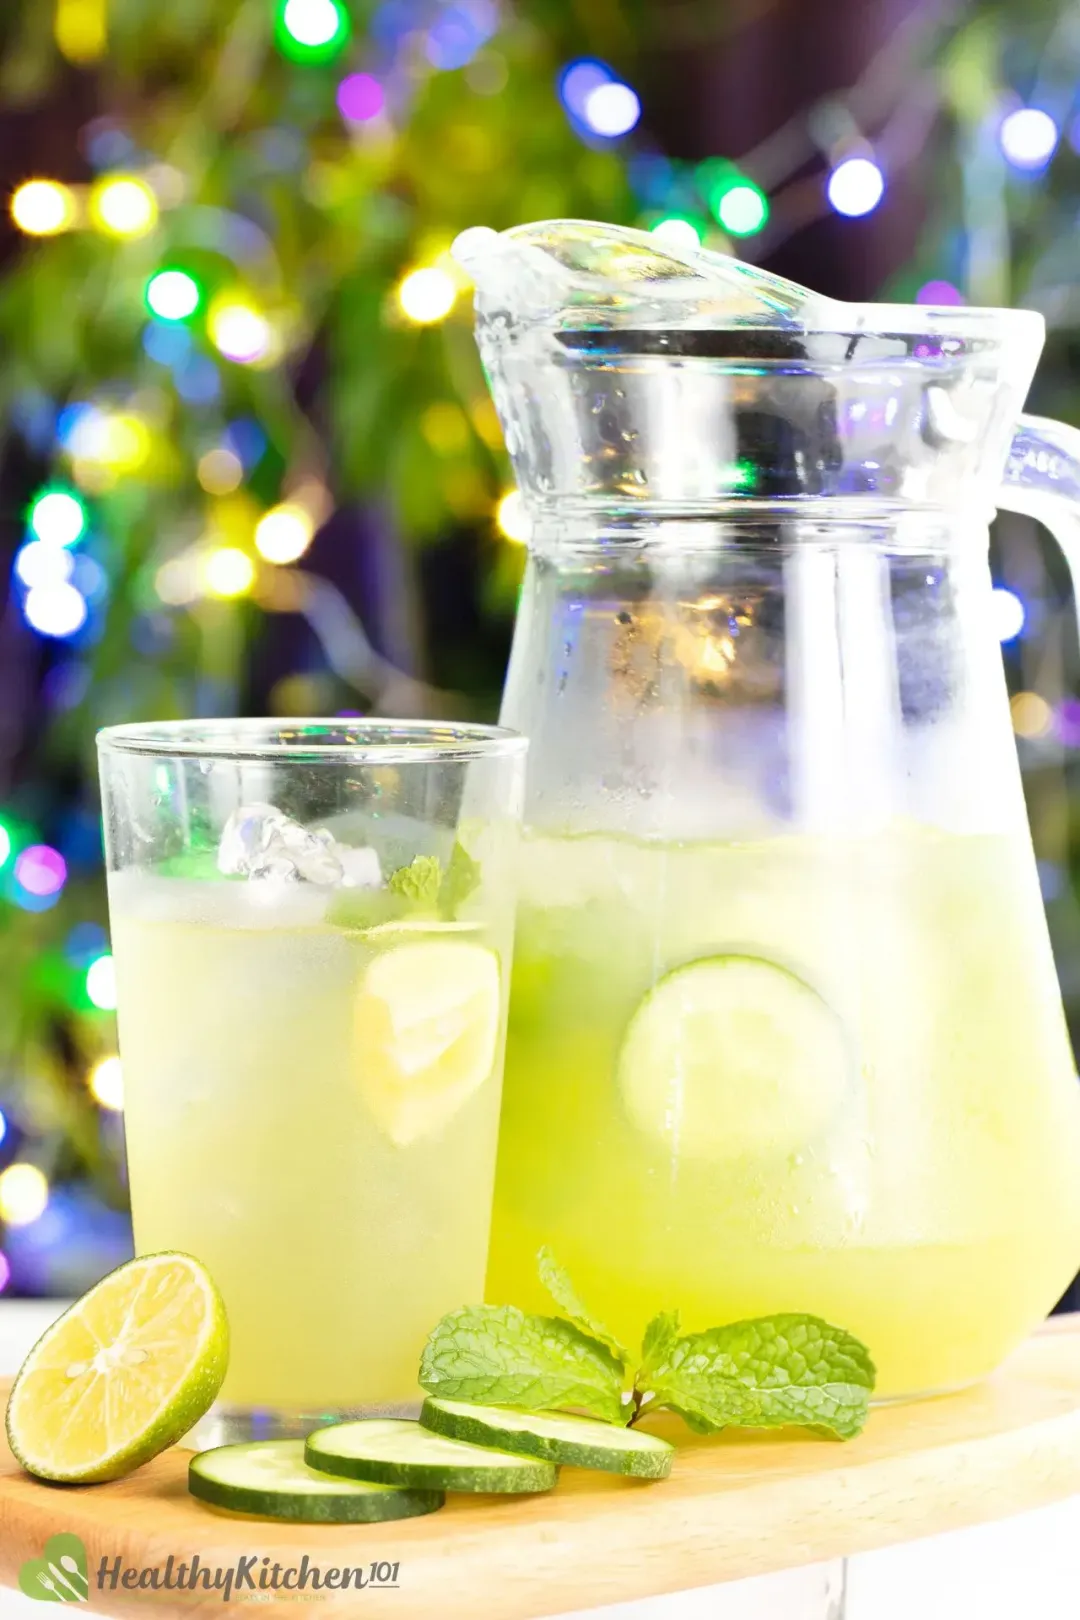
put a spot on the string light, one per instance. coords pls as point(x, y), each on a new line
point(239, 332)
point(220, 471)
point(427, 296)
point(611, 109)
point(123, 206)
point(742, 208)
point(106, 1083)
point(172, 295)
point(39, 563)
point(43, 208)
point(513, 519)
point(227, 572)
point(360, 98)
point(855, 187)
point(101, 983)
point(1028, 138)
point(41, 870)
point(1008, 613)
point(81, 29)
point(58, 517)
point(24, 1194)
point(312, 30)
point(58, 611)
point(677, 232)
point(284, 533)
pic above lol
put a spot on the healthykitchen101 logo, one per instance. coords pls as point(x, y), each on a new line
point(60, 1575)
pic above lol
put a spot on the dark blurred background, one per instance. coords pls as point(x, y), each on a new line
point(247, 459)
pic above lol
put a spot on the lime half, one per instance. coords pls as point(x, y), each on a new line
point(123, 1374)
point(733, 1057)
point(427, 1033)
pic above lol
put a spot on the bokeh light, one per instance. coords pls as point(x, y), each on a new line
point(24, 1194)
point(513, 519)
point(677, 232)
point(39, 563)
point(220, 471)
point(1032, 716)
point(1008, 613)
point(427, 296)
point(312, 30)
point(284, 533)
point(172, 295)
point(611, 109)
point(5, 852)
point(58, 517)
point(940, 293)
point(3, 1126)
point(123, 206)
point(360, 97)
point(177, 581)
point(81, 29)
point(227, 572)
point(855, 187)
point(742, 209)
point(5, 1271)
point(58, 611)
point(578, 81)
point(239, 332)
point(41, 870)
point(43, 208)
point(1028, 138)
point(106, 1083)
point(101, 983)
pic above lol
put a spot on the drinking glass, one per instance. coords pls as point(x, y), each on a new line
point(312, 924)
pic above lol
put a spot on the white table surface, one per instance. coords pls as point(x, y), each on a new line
point(1025, 1568)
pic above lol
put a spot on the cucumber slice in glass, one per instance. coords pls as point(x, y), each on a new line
point(270, 1480)
point(397, 1451)
point(577, 1441)
point(733, 1057)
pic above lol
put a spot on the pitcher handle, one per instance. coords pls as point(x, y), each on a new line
point(1042, 480)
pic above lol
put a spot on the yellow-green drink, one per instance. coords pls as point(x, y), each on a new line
point(806, 1074)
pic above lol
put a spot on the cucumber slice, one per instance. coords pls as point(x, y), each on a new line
point(580, 1442)
point(270, 1479)
point(398, 1451)
point(733, 1057)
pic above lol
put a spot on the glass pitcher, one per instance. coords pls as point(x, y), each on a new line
point(785, 1031)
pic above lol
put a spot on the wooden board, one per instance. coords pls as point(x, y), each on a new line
point(734, 1506)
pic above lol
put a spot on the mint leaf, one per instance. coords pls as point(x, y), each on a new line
point(496, 1354)
point(557, 1282)
point(418, 882)
point(461, 877)
point(764, 1373)
point(660, 1335)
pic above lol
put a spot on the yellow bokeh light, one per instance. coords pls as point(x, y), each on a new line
point(220, 471)
point(445, 427)
point(239, 332)
point(123, 206)
point(24, 1193)
point(227, 572)
point(44, 208)
point(1032, 716)
point(106, 1083)
point(285, 533)
point(426, 296)
point(512, 518)
point(81, 29)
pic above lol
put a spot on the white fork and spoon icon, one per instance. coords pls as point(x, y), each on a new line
point(72, 1568)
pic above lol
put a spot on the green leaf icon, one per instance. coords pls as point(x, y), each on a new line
point(59, 1575)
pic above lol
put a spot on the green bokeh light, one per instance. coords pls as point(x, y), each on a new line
point(173, 295)
point(312, 30)
point(741, 208)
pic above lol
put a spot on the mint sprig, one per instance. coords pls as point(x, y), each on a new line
point(767, 1372)
point(419, 882)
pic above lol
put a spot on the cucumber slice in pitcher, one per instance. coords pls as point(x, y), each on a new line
point(269, 1479)
point(733, 1057)
point(397, 1451)
point(576, 1441)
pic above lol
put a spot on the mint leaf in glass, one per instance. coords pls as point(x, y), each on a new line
point(461, 877)
point(764, 1373)
point(660, 1336)
point(497, 1355)
point(419, 882)
point(557, 1282)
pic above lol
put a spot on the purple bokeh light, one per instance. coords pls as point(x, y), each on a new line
point(939, 292)
point(41, 870)
point(360, 98)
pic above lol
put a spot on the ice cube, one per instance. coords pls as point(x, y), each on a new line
point(361, 867)
point(261, 841)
